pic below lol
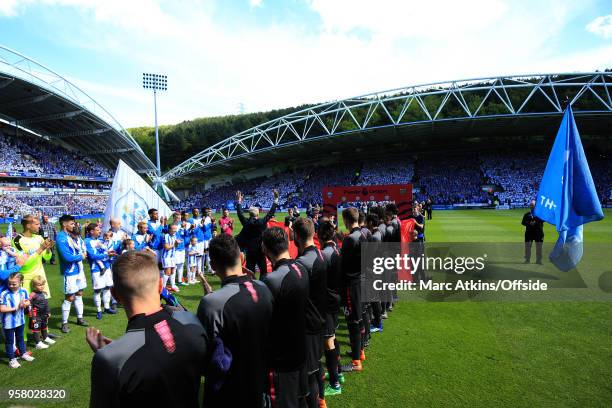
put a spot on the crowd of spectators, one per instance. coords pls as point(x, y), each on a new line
point(518, 173)
point(393, 171)
point(11, 206)
point(52, 205)
point(67, 184)
point(34, 155)
point(303, 187)
point(450, 179)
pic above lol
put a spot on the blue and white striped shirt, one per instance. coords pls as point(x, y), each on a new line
point(169, 240)
point(10, 320)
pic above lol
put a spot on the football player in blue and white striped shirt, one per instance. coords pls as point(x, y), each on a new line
point(170, 242)
point(13, 302)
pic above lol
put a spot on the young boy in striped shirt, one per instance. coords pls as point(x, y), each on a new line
point(13, 302)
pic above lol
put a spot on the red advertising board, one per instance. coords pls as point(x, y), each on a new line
point(401, 194)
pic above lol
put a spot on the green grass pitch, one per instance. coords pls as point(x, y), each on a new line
point(430, 354)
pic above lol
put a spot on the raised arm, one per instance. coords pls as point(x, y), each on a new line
point(270, 213)
point(239, 198)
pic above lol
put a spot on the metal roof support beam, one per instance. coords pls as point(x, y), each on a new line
point(26, 101)
point(111, 151)
point(79, 133)
point(325, 121)
point(6, 82)
point(54, 116)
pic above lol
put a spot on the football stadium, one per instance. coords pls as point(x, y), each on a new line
point(260, 229)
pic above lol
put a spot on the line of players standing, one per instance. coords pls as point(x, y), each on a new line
point(310, 291)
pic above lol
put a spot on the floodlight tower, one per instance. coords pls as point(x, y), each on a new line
point(156, 82)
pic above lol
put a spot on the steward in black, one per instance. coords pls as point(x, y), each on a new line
point(534, 231)
point(160, 352)
point(237, 315)
point(534, 227)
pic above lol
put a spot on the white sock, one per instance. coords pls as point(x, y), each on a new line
point(172, 279)
point(98, 300)
point(78, 305)
point(207, 262)
point(179, 273)
point(106, 298)
point(65, 310)
point(165, 280)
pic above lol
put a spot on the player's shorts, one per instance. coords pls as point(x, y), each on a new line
point(179, 257)
point(314, 352)
point(352, 301)
point(331, 324)
point(168, 262)
point(286, 388)
point(38, 323)
point(205, 243)
point(74, 283)
point(101, 281)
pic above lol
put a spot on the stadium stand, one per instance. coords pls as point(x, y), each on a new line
point(38, 156)
point(35, 174)
point(518, 173)
point(11, 206)
point(450, 179)
point(456, 178)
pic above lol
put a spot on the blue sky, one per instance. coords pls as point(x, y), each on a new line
point(271, 54)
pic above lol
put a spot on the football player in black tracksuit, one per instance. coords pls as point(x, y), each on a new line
point(236, 319)
point(351, 282)
point(288, 282)
point(372, 223)
point(393, 234)
point(311, 258)
point(249, 238)
point(160, 352)
point(331, 254)
point(366, 310)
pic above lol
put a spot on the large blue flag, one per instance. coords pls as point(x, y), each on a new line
point(567, 197)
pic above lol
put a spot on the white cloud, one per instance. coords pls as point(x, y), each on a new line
point(8, 8)
point(255, 3)
point(357, 48)
point(601, 26)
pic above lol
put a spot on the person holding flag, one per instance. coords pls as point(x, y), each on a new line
point(534, 231)
point(567, 197)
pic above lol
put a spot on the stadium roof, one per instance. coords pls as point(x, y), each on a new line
point(443, 112)
point(38, 100)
